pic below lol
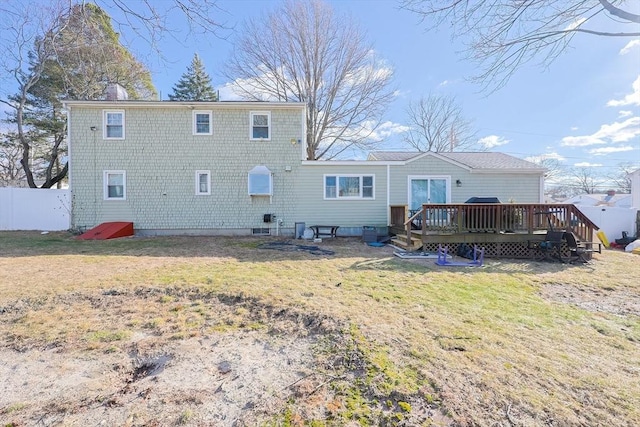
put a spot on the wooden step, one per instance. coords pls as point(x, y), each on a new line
point(401, 241)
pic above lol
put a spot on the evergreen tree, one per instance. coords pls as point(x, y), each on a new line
point(194, 85)
point(76, 57)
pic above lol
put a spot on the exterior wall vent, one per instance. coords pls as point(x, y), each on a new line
point(115, 92)
point(261, 231)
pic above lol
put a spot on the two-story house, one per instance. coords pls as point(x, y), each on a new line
point(240, 168)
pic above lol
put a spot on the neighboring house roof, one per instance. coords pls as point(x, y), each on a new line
point(619, 200)
point(472, 160)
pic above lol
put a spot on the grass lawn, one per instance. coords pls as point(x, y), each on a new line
point(387, 341)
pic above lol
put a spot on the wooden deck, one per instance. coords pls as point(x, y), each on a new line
point(504, 230)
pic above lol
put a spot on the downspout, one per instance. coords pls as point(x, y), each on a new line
point(69, 169)
point(388, 194)
point(303, 136)
point(541, 197)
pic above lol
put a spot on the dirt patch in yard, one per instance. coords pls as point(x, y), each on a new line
point(619, 301)
point(251, 364)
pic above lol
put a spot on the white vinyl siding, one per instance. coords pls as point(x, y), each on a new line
point(349, 187)
point(113, 124)
point(203, 183)
point(202, 122)
point(115, 185)
point(260, 128)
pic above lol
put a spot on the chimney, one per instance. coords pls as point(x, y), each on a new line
point(115, 92)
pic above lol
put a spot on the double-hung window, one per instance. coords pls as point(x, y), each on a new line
point(113, 124)
point(260, 125)
point(202, 123)
point(348, 187)
point(203, 183)
point(115, 185)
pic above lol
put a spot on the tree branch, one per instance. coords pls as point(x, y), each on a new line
point(622, 14)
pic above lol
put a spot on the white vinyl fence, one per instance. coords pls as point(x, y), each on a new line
point(613, 221)
point(34, 209)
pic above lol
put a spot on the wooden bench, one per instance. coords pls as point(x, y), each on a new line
point(324, 230)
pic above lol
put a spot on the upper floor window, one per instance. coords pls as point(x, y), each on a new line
point(115, 185)
point(260, 125)
point(113, 124)
point(202, 122)
point(348, 187)
point(203, 182)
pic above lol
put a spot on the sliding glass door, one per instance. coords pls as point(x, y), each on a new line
point(427, 189)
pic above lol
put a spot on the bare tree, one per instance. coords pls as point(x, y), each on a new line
point(586, 179)
point(504, 34)
point(59, 53)
point(436, 124)
point(621, 178)
point(304, 52)
point(10, 154)
point(147, 20)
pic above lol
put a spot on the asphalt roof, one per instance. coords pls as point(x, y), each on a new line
point(474, 160)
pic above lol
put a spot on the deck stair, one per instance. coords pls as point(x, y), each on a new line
point(400, 240)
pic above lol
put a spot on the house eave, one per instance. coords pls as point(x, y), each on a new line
point(351, 163)
point(509, 171)
point(186, 104)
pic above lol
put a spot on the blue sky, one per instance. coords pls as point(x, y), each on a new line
point(584, 109)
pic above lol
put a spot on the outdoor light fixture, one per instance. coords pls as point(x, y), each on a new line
point(93, 128)
point(458, 183)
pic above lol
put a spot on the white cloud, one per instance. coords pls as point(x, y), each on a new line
point(625, 113)
point(574, 127)
point(615, 132)
point(492, 141)
point(228, 92)
point(631, 99)
point(587, 165)
point(385, 130)
point(608, 150)
point(548, 156)
point(575, 24)
point(581, 141)
point(629, 46)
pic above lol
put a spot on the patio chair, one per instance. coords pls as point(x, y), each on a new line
point(549, 249)
point(579, 251)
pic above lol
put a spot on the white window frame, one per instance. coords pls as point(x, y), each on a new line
point(260, 113)
point(199, 173)
point(105, 113)
point(105, 184)
point(260, 171)
point(446, 178)
point(195, 123)
point(346, 175)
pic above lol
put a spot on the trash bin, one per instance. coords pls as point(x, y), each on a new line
point(299, 227)
point(369, 234)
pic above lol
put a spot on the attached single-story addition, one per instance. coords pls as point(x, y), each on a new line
point(238, 168)
point(411, 179)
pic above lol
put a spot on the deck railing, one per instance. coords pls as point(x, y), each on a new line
point(493, 218)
